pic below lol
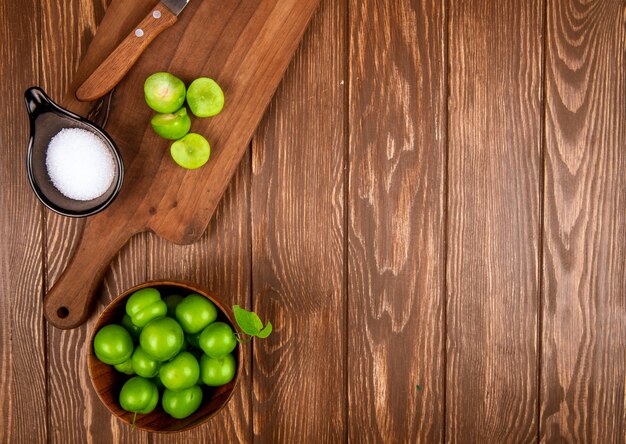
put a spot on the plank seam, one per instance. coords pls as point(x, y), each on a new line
point(44, 286)
point(146, 246)
point(446, 4)
point(346, 216)
point(44, 249)
point(251, 295)
point(540, 292)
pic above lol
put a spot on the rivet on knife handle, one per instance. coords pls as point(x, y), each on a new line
point(119, 62)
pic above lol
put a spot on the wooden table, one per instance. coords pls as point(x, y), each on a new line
point(432, 214)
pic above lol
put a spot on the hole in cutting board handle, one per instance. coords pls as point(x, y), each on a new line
point(63, 312)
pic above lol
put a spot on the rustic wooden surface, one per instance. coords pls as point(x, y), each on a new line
point(435, 198)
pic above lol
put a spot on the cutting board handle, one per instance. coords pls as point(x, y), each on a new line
point(68, 303)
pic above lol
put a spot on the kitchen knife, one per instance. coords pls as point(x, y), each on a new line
point(119, 62)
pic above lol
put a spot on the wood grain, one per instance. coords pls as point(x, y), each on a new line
point(78, 415)
point(23, 400)
point(494, 167)
point(583, 370)
point(297, 243)
point(113, 69)
point(396, 221)
point(219, 261)
point(247, 55)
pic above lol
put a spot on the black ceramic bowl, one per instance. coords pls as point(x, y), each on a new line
point(46, 120)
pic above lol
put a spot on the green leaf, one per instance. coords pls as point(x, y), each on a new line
point(250, 323)
point(246, 321)
point(266, 331)
point(418, 387)
point(256, 321)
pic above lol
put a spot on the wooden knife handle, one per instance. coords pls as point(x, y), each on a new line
point(68, 303)
point(119, 62)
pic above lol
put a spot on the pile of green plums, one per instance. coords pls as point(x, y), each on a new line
point(173, 344)
point(166, 94)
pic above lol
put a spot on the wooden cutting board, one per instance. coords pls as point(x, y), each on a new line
point(245, 46)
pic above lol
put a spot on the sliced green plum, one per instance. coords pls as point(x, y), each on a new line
point(205, 97)
point(164, 92)
point(191, 152)
point(172, 126)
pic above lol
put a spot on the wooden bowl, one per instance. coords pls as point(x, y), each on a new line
point(108, 382)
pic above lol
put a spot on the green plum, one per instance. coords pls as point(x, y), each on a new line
point(205, 97)
point(183, 403)
point(193, 340)
point(145, 305)
point(162, 338)
point(113, 344)
point(217, 371)
point(184, 346)
point(143, 364)
point(134, 331)
point(157, 381)
point(125, 367)
point(181, 372)
point(172, 126)
point(191, 151)
point(195, 312)
point(139, 395)
point(172, 302)
point(164, 92)
point(217, 340)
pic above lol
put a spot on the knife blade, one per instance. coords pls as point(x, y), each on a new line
point(175, 6)
point(113, 69)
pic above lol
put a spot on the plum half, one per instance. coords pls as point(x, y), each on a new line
point(164, 92)
point(191, 152)
point(172, 126)
point(205, 97)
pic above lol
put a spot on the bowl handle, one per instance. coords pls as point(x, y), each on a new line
point(69, 301)
point(37, 102)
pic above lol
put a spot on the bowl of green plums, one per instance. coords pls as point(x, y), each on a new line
point(164, 356)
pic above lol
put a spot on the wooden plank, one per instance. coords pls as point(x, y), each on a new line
point(396, 221)
point(219, 261)
point(23, 401)
point(297, 243)
point(78, 415)
point(583, 391)
point(494, 176)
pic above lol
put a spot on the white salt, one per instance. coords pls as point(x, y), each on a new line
point(80, 164)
